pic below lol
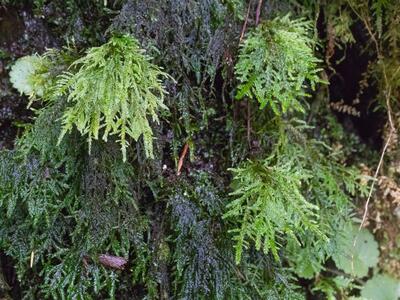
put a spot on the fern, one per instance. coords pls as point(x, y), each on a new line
point(67, 223)
point(296, 199)
point(275, 62)
point(268, 202)
point(116, 89)
point(191, 39)
point(261, 277)
point(330, 188)
point(200, 269)
point(65, 208)
point(378, 8)
point(67, 214)
point(105, 220)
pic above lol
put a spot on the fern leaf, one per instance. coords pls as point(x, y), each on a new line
point(268, 202)
point(117, 89)
point(275, 62)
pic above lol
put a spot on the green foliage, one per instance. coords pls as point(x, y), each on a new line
point(64, 215)
point(40, 140)
point(200, 270)
point(193, 52)
point(260, 277)
point(356, 259)
point(237, 7)
point(332, 288)
point(378, 8)
point(296, 195)
point(190, 40)
point(330, 188)
point(122, 104)
point(69, 278)
point(268, 202)
point(33, 196)
point(66, 229)
point(340, 20)
point(106, 220)
point(290, 195)
point(116, 89)
point(276, 61)
point(202, 252)
point(31, 176)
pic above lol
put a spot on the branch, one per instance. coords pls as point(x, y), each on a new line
point(392, 130)
point(182, 158)
point(258, 11)
point(245, 23)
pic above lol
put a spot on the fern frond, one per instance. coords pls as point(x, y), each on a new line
point(269, 203)
point(115, 90)
point(275, 62)
point(378, 8)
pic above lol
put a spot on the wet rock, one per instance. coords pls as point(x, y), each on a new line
point(21, 33)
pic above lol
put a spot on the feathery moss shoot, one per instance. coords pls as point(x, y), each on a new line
point(116, 90)
point(276, 61)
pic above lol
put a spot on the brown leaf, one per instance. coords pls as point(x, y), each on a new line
point(111, 261)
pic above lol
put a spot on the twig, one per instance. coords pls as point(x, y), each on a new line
point(389, 114)
point(367, 26)
point(32, 258)
point(258, 11)
point(391, 124)
point(249, 122)
point(182, 158)
point(245, 23)
point(337, 272)
point(248, 102)
point(388, 140)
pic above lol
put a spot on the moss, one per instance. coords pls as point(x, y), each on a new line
point(260, 194)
